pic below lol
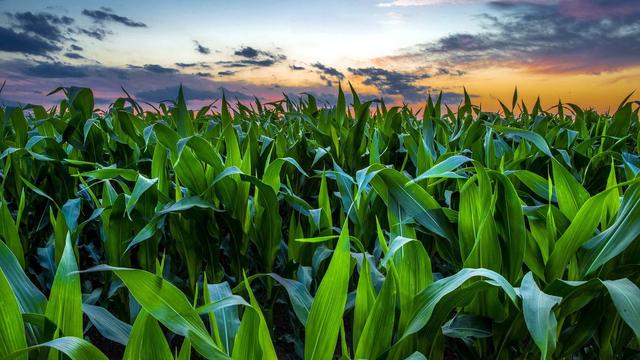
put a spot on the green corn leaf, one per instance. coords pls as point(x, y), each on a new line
point(12, 335)
point(75, 348)
point(325, 317)
point(444, 168)
point(378, 330)
point(226, 319)
point(168, 305)
point(107, 325)
point(365, 298)
point(538, 315)
point(142, 184)
point(615, 239)
point(427, 299)
point(65, 300)
point(147, 340)
point(253, 340)
point(626, 298)
point(9, 233)
point(30, 299)
point(571, 195)
point(535, 138)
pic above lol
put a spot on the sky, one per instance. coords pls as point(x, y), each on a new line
point(581, 51)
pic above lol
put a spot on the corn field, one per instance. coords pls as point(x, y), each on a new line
point(295, 229)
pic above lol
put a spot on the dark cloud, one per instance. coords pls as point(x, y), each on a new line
point(226, 73)
point(23, 75)
point(24, 43)
point(328, 99)
point(54, 70)
point(296, 67)
point(450, 72)
point(585, 36)
point(327, 82)
point(390, 82)
point(247, 52)
point(154, 68)
point(45, 25)
point(329, 71)
point(72, 55)
point(96, 33)
point(75, 47)
point(185, 65)
point(260, 63)
point(170, 93)
point(107, 15)
point(203, 74)
point(231, 64)
point(202, 49)
point(253, 57)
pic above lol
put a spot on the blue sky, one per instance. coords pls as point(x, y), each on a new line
point(397, 49)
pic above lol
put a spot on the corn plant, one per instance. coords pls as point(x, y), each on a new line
point(297, 230)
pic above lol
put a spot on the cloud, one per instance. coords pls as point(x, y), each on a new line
point(96, 33)
point(296, 67)
point(75, 47)
point(107, 15)
point(171, 92)
point(327, 70)
point(72, 55)
point(45, 25)
point(155, 68)
point(543, 36)
point(24, 43)
point(390, 82)
point(24, 75)
point(405, 3)
point(247, 52)
point(250, 56)
point(54, 70)
point(226, 73)
point(185, 65)
point(202, 49)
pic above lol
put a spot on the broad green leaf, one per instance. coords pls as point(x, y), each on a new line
point(9, 233)
point(65, 300)
point(626, 298)
point(147, 341)
point(325, 317)
point(615, 239)
point(253, 340)
point(75, 348)
point(142, 184)
point(30, 299)
point(535, 138)
point(444, 168)
point(538, 315)
point(365, 298)
point(168, 305)
point(108, 325)
point(571, 195)
point(12, 335)
point(426, 300)
point(378, 330)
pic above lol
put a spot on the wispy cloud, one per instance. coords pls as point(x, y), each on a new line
point(390, 82)
point(107, 15)
point(22, 42)
point(201, 48)
point(542, 36)
point(248, 56)
point(405, 3)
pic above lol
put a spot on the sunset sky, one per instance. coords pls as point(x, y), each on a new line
point(582, 51)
